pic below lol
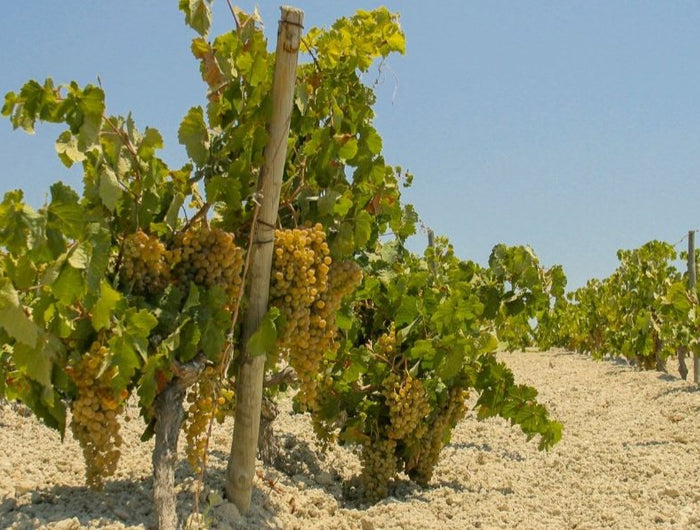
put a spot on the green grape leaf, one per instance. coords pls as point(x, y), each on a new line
point(444, 315)
point(35, 361)
point(363, 228)
point(69, 285)
point(348, 147)
point(21, 228)
point(139, 325)
point(193, 134)
point(100, 239)
point(374, 142)
point(342, 206)
point(192, 298)
point(197, 14)
point(152, 140)
point(407, 311)
point(213, 339)
point(258, 71)
point(65, 212)
point(357, 367)
point(79, 257)
point(23, 272)
point(101, 313)
point(88, 115)
point(148, 385)
point(327, 201)
point(18, 325)
point(125, 358)
point(424, 351)
point(263, 340)
point(189, 340)
point(344, 242)
point(68, 150)
point(109, 189)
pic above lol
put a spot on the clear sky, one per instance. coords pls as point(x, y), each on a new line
point(572, 126)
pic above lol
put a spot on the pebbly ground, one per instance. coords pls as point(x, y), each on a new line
point(630, 458)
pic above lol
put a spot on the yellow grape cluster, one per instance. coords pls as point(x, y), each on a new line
point(408, 406)
point(386, 343)
point(307, 287)
point(301, 264)
point(430, 444)
point(145, 265)
point(343, 279)
point(324, 429)
point(379, 467)
point(208, 257)
point(95, 411)
point(205, 403)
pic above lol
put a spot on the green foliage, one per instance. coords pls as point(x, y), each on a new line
point(643, 312)
point(66, 282)
point(436, 318)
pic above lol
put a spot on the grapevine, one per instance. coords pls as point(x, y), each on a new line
point(422, 338)
point(643, 311)
point(122, 263)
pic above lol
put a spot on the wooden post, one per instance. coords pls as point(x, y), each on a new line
point(692, 282)
point(249, 382)
point(692, 271)
point(431, 244)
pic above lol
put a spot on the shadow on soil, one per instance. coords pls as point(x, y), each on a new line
point(126, 502)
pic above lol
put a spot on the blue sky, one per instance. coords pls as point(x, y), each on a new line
point(571, 126)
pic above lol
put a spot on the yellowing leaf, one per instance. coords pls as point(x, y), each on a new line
point(109, 189)
point(193, 134)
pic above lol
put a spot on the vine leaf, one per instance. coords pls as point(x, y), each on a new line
point(69, 285)
point(263, 340)
point(152, 140)
point(68, 150)
point(104, 307)
point(35, 362)
point(65, 212)
point(197, 14)
point(109, 189)
point(194, 136)
point(363, 228)
point(18, 325)
point(123, 356)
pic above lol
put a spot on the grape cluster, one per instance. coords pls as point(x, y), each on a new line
point(301, 264)
point(429, 445)
point(145, 265)
point(206, 401)
point(95, 412)
point(308, 287)
point(408, 406)
point(208, 257)
point(386, 343)
point(379, 467)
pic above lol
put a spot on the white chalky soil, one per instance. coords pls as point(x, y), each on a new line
point(629, 459)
